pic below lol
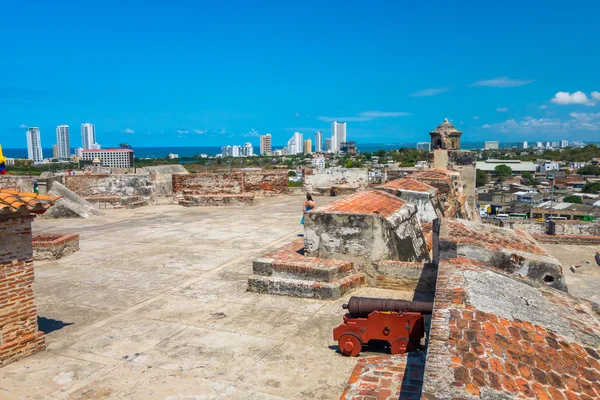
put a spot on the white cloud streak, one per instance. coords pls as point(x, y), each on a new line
point(577, 122)
point(22, 126)
point(502, 109)
point(486, 126)
point(566, 98)
point(430, 92)
point(365, 116)
point(502, 82)
point(128, 130)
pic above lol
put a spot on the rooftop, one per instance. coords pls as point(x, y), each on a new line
point(432, 175)
point(15, 202)
point(409, 184)
point(364, 203)
point(108, 151)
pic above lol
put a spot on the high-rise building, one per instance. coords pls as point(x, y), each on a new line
point(540, 145)
point(424, 146)
point(294, 145)
point(491, 145)
point(564, 143)
point(115, 158)
point(548, 145)
point(338, 135)
point(248, 149)
point(54, 151)
point(318, 142)
point(62, 142)
point(226, 151)
point(265, 145)
point(34, 145)
point(88, 136)
point(522, 145)
point(236, 151)
point(307, 146)
point(328, 145)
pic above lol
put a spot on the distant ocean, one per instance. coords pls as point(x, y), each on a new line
point(161, 152)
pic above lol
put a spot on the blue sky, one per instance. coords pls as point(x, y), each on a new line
point(157, 73)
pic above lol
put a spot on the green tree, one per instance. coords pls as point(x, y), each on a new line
point(572, 199)
point(589, 170)
point(591, 187)
point(292, 174)
point(503, 172)
point(528, 176)
point(481, 178)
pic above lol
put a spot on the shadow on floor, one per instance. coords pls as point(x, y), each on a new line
point(48, 325)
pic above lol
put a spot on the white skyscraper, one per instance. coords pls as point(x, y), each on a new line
point(295, 144)
point(338, 135)
point(63, 143)
point(88, 136)
point(265, 144)
point(34, 145)
point(248, 149)
point(564, 143)
point(236, 151)
point(523, 145)
point(328, 144)
point(318, 142)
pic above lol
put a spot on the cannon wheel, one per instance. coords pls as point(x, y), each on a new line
point(350, 344)
point(400, 346)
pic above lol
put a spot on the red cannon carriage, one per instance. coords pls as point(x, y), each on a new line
point(398, 322)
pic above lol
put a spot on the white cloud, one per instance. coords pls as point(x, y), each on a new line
point(297, 115)
point(22, 126)
point(475, 117)
point(543, 107)
point(503, 81)
point(253, 133)
point(486, 126)
point(566, 98)
point(199, 132)
point(502, 109)
point(365, 116)
point(128, 130)
point(430, 92)
point(585, 117)
point(182, 131)
point(461, 122)
point(530, 125)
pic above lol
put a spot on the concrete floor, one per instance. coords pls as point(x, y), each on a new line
point(154, 306)
point(586, 282)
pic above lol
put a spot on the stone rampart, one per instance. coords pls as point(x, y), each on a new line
point(258, 182)
point(325, 178)
point(20, 183)
point(581, 228)
point(531, 227)
point(138, 185)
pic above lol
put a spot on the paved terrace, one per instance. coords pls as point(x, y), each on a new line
point(154, 305)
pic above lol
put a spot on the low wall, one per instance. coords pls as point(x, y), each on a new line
point(54, 246)
point(259, 182)
point(110, 185)
point(532, 227)
point(581, 228)
point(20, 183)
point(579, 240)
point(353, 177)
point(162, 177)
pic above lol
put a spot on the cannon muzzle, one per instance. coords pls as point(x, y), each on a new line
point(361, 307)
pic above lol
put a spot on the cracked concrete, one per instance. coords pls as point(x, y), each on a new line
point(154, 306)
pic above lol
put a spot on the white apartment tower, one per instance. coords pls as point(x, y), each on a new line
point(338, 135)
point(295, 144)
point(265, 145)
point(564, 143)
point(318, 142)
point(63, 143)
point(34, 145)
point(88, 136)
point(248, 149)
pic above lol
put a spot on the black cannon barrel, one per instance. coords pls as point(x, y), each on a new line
point(363, 306)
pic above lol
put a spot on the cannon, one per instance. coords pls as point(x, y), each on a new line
point(398, 322)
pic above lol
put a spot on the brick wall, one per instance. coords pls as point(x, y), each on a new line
point(110, 185)
point(19, 335)
point(20, 183)
point(259, 182)
point(533, 227)
point(575, 228)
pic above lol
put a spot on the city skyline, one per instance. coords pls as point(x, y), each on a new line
point(389, 84)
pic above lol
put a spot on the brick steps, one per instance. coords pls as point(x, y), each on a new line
point(305, 288)
point(311, 269)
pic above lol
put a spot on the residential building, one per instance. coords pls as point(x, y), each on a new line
point(34, 145)
point(265, 144)
point(248, 149)
point(79, 152)
point(173, 156)
point(328, 145)
point(236, 151)
point(548, 145)
point(307, 146)
point(338, 135)
point(226, 151)
point(62, 142)
point(523, 145)
point(348, 147)
point(549, 166)
point(491, 145)
point(318, 142)
point(113, 158)
point(540, 145)
point(294, 145)
point(564, 143)
point(555, 145)
point(54, 151)
point(95, 146)
point(424, 146)
point(318, 162)
point(88, 136)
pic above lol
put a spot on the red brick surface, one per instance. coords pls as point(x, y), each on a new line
point(409, 184)
point(386, 378)
point(364, 203)
point(51, 240)
point(290, 258)
point(259, 182)
point(480, 352)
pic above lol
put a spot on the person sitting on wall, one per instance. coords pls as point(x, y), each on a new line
point(308, 205)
